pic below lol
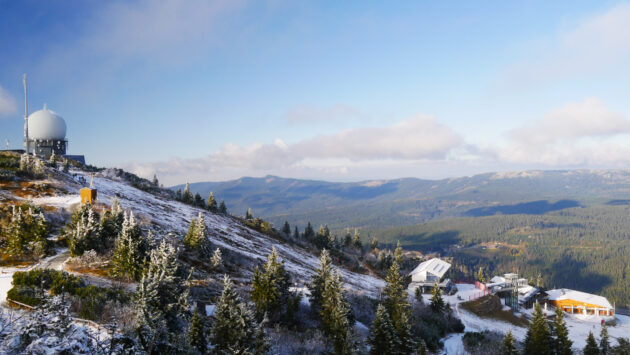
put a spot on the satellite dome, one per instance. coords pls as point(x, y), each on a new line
point(45, 124)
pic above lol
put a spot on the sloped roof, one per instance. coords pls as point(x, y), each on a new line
point(566, 294)
point(434, 266)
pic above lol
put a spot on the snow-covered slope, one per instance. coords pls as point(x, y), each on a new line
point(167, 215)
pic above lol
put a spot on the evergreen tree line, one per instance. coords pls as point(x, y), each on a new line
point(210, 204)
point(24, 234)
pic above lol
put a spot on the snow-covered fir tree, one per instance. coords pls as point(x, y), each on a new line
point(130, 250)
point(591, 345)
point(437, 302)
point(562, 344)
point(382, 337)
point(196, 334)
point(222, 207)
point(538, 339)
point(270, 288)
point(196, 239)
point(235, 330)
point(187, 196)
point(335, 315)
point(212, 203)
point(318, 282)
point(398, 308)
point(217, 259)
point(162, 305)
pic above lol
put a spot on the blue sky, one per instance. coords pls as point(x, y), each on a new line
point(214, 90)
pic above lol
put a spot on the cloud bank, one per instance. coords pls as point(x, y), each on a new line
point(575, 135)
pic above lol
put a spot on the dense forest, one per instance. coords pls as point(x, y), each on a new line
point(582, 248)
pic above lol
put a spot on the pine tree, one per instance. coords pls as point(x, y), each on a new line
point(382, 337)
point(160, 300)
point(508, 346)
point(423, 348)
point(437, 302)
point(323, 273)
point(398, 253)
point(591, 345)
point(334, 314)
point(212, 203)
point(270, 288)
point(604, 342)
point(397, 306)
point(248, 214)
point(66, 165)
point(187, 196)
point(538, 339)
point(217, 260)
point(309, 232)
point(418, 295)
point(374, 243)
point(356, 239)
point(178, 194)
point(480, 275)
point(199, 201)
point(296, 233)
point(562, 344)
point(347, 239)
point(196, 335)
point(130, 249)
point(196, 239)
point(222, 207)
point(155, 181)
point(286, 229)
point(235, 330)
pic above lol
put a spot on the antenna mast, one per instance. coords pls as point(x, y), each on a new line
point(25, 116)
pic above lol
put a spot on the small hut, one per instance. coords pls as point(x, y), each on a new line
point(88, 194)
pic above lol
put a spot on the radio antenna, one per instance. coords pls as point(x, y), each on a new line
point(25, 116)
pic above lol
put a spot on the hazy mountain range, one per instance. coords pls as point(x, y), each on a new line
point(377, 204)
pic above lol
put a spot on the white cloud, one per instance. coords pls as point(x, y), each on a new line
point(418, 139)
point(593, 45)
point(8, 104)
point(578, 134)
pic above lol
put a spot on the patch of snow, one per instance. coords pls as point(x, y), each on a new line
point(453, 345)
point(211, 310)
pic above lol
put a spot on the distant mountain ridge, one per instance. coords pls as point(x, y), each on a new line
point(377, 204)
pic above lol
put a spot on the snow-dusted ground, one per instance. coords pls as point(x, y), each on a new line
point(168, 215)
point(578, 325)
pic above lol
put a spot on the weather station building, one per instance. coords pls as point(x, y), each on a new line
point(45, 133)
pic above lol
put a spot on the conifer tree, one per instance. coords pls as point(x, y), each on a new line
point(323, 273)
point(508, 347)
point(418, 295)
point(397, 306)
point(591, 345)
point(199, 201)
point(235, 330)
point(66, 165)
point(374, 243)
point(178, 194)
point(604, 341)
point(382, 337)
point(196, 239)
point(296, 233)
point(187, 196)
point(538, 339)
point(161, 299)
point(398, 253)
point(480, 275)
point(335, 313)
point(270, 288)
point(155, 181)
point(286, 229)
point(212, 203)
point(562, 344)
point(309, 232)
point(347, 239)
point(437, 302)
point(423, 348)
point(222, 207)
point(217, 260)
point(356, 239)
point(196, 335)
point(130, 249)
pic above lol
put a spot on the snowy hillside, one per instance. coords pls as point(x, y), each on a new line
point(166, 215)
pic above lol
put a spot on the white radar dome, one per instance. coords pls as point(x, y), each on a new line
point(45, 124)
